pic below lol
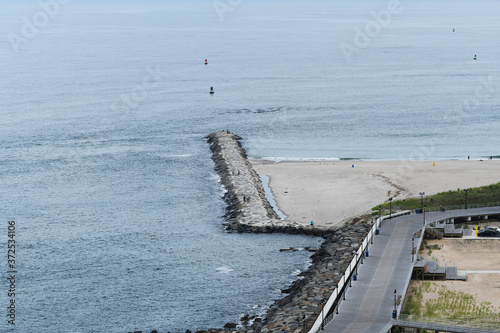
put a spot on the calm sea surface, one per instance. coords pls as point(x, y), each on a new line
point(103, 163)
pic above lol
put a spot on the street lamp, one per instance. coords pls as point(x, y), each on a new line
point(356, 272)
point(390, 208)
point(466, 191)
point(394, 315)
point(424, 215)
point(422, 200)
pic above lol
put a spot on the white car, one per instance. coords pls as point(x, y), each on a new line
point(497, 229)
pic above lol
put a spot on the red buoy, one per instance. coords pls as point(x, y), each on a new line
point(206, 62)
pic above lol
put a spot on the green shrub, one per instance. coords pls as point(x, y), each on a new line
point(478, 195)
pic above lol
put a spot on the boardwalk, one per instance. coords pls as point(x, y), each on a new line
point(370, 302)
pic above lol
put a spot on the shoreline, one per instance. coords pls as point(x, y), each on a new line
point(274, 159)
point(248, 209)
point(332, 192)
point(301, 302)
point(301, 181)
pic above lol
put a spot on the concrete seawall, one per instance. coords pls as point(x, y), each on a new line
point(248, 209)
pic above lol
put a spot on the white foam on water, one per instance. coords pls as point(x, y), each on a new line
point(224, 270)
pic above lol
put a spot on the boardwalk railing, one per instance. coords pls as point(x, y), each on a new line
point(338, 295)
point(333, 303)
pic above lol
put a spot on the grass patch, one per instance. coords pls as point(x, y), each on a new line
point(476, 195)
point(448, 304)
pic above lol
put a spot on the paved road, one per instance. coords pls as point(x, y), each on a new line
point(369, 303)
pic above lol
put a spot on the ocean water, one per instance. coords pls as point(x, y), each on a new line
point(104, 165)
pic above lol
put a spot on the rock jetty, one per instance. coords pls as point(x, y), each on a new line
point(303, 304)
point(248, 209)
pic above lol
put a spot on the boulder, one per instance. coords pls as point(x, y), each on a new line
point(230, 325)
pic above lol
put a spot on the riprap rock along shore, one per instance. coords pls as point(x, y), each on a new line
point(248, 210)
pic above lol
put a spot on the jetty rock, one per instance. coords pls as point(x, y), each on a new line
point(248, 209)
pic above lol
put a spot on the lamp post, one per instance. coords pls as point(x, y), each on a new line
point(466, 191)
point(390, 208)
point(422, 199)
point(395, 311)
point(356, 263)
point(424, 215)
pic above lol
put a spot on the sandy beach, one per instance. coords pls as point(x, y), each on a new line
point(331, 192)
